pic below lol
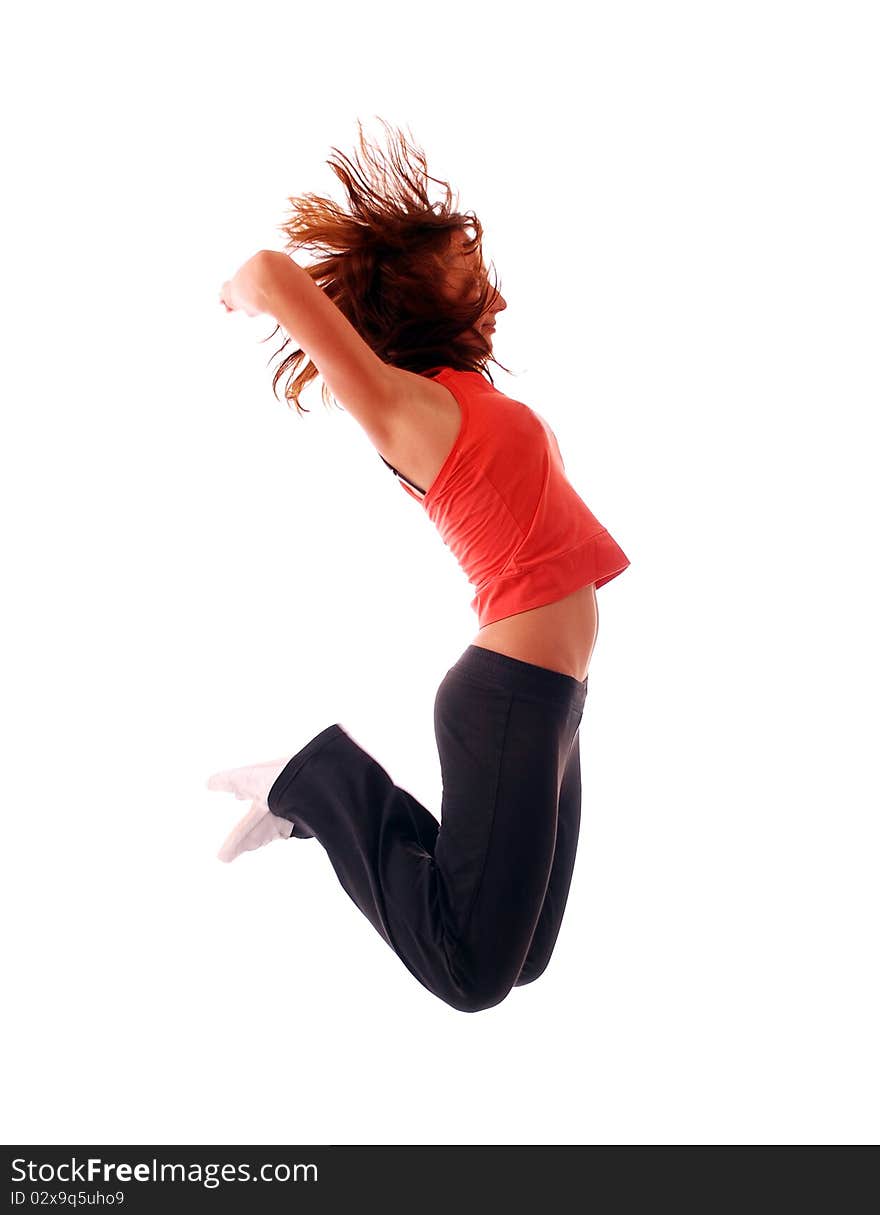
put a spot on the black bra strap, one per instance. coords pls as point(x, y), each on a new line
point(399, 474)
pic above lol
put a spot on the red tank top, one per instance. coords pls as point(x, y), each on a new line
point(505, 508)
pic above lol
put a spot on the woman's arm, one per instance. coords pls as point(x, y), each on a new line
point(364, 385)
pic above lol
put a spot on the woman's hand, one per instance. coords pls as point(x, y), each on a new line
point(245, 291)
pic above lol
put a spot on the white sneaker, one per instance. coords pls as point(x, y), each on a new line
point(255, 780)
point(259, 826)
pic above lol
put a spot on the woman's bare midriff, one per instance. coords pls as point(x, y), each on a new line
point(560, 635)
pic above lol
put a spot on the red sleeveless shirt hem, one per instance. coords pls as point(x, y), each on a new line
point(596, 560)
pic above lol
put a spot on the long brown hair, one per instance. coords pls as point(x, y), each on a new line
point(384, 265)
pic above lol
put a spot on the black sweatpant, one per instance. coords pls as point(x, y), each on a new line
point(472, 906)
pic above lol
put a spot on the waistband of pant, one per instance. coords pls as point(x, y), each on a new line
point(514, 675)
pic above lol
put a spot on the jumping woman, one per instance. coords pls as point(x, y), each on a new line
point(397, 319)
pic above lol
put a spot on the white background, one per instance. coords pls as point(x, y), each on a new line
point(681, 202)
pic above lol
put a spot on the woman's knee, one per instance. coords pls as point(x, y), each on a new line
point(476, 995)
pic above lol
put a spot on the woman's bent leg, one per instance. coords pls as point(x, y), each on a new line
point(497, 925)
point(458, 901)
point(567, 832)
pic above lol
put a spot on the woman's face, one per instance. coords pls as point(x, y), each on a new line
point(461, 279)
